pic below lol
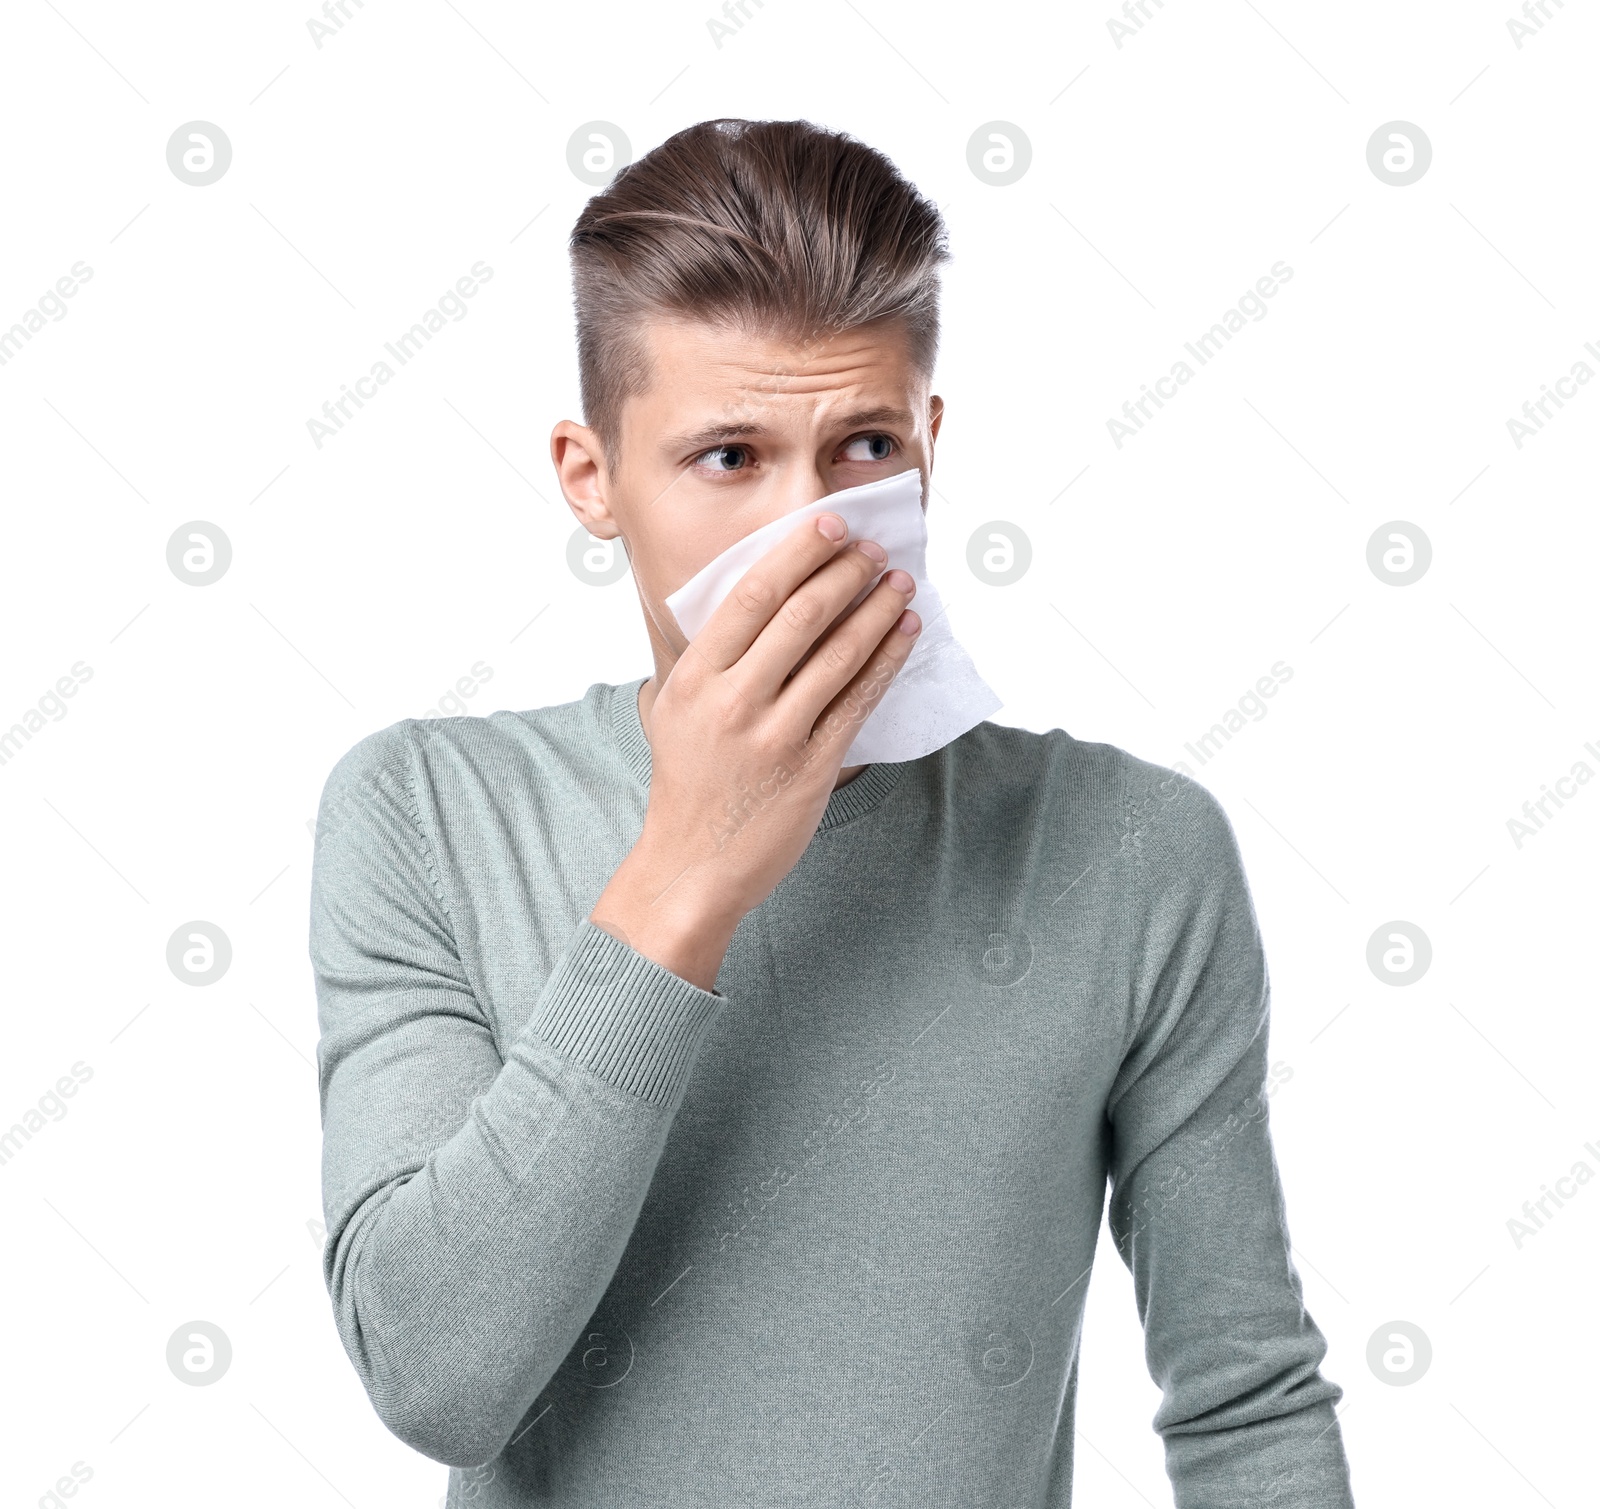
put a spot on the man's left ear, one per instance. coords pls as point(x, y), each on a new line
point(935, 414)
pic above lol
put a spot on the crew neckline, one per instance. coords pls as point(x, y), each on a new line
point(846, 803)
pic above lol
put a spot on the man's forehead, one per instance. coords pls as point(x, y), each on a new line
point(709, 381)
point(728, 353)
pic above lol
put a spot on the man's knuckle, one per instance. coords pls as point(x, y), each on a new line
point(802, 610)
point(836, 657)
point(755, 596)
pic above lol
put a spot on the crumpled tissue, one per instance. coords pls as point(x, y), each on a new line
point(937, 694)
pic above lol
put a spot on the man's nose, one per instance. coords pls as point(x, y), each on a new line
point(796, 486)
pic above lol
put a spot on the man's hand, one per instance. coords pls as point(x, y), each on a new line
point(745, 748)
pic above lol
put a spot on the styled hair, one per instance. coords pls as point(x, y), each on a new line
point(777, 227)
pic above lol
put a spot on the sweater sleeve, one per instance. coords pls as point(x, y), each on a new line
point(477, 1206)
point(1197, 1209)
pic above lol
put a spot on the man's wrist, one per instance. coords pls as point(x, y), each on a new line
point(661, 912)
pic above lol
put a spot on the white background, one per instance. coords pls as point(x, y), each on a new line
point(1230, 533)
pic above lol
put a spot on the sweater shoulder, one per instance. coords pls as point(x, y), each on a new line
point(476, 748)
point(1152, 813)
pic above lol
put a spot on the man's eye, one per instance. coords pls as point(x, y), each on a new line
point(737, 457)
point(879, 447)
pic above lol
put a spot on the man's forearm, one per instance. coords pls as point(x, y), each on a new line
point(459, 1290)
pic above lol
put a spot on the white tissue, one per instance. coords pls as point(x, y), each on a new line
point(937, 695)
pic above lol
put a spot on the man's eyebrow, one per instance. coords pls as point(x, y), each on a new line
point(710, 434)
point(883, 414)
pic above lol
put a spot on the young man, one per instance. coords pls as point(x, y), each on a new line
point(709, 1124)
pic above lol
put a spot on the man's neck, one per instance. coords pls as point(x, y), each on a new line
point(647, 697)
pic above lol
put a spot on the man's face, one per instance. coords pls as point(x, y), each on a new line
point(737, 430)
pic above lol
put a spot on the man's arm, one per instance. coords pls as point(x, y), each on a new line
point(476, 1209)
point(1197, 1209)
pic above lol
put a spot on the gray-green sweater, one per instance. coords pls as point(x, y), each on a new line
point(822, 1236)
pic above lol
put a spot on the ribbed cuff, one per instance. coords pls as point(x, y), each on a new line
point(623, 1016)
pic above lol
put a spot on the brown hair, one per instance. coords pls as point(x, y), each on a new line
point(777, 226)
